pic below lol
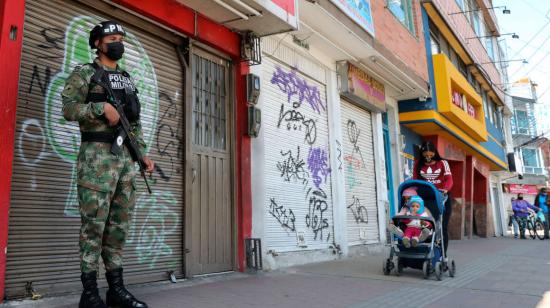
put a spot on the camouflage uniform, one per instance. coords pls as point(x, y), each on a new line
point(106, 182)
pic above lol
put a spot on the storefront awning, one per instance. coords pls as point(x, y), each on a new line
point(263, 17)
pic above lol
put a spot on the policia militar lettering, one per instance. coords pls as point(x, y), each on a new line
point(112, 141)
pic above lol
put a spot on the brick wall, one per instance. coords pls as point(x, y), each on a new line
point(462, 28)
point(391, 33)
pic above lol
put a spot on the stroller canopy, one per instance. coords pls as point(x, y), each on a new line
point(433, 199)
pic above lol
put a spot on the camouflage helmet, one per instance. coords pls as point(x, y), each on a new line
point(105, 28)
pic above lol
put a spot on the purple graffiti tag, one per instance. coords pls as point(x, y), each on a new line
point(317, 162)
point(294, 86)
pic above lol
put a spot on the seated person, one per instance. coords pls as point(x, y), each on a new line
point(405, 197)
point(417, 230)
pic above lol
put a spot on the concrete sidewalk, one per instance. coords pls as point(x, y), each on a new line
point(495, 272)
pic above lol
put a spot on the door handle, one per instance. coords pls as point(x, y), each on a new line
point(194, 173)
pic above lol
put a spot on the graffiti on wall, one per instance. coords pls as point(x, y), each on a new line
point(298, 90)
point(152, 234)
point(357, 195)
point(307, 163)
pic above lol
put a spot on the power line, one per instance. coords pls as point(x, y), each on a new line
point(529, 57)
point(535, 9)
point(532, 38)
point(536, 65)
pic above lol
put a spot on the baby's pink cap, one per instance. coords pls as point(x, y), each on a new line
point(409, 192)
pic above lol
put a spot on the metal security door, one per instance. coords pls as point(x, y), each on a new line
point(44, 215)
point(211, 206)
point(359, 171)
point(298, 198)
point(499, 229)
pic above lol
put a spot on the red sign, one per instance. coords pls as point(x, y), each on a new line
point(520, 189)
point(460, 101)
point(288, 5)
point(457, 99)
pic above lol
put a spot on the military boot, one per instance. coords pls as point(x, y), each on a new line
point(90, 296)
point(117, 295)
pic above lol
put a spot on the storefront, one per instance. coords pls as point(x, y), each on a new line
point(362, 98)
point(189, 71)
point(293, 167)
point(323, 176)
point(458, 121)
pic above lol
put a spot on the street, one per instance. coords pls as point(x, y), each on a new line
point(491, 272)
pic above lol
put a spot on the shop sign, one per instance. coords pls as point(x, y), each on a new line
point(285, 10)
point(460, 101)
point(288, 5)
point(360, 87)
point(359, 11)
point(526, 189)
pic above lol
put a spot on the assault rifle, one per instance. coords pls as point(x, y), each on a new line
point(124, 130)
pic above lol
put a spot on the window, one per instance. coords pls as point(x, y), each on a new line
point(460, 3)
point(495, 112)
point(475, 18)
point(402, 9)
point(210, 100)
point(522, 122)
point(462, 67)
point(499, 119)
point(489, 45)
point(485, 104)
point(436, 48)
point(491, 110)
point(530, 157)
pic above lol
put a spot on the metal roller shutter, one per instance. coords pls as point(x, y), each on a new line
point(44, 219)
point(362, 212)
point(298, 175)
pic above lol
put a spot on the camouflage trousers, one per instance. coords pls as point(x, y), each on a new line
point(106, 196)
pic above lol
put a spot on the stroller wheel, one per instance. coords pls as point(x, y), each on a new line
point(426, 269)
point(399, 268)
point(452, 267)
point(438, 270)
point(388, 266)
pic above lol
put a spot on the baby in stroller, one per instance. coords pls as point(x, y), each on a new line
point(415, 244)
point(417, 230)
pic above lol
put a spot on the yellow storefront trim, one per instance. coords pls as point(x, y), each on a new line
point(448, 34)
point(430, 115)
point(449, 79)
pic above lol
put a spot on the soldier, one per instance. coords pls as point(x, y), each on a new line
point(105, 173)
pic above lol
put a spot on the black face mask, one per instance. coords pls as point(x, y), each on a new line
point(520, 198)
point(115, 50)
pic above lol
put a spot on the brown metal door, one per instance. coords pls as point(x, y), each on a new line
point(210, 214)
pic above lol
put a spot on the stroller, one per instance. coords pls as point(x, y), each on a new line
point(429, 255)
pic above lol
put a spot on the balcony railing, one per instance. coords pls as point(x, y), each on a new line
point(535, 170)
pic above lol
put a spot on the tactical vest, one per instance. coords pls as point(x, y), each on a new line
point(123, 88)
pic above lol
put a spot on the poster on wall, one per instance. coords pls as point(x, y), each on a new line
point(408, 165)
point(359, 11)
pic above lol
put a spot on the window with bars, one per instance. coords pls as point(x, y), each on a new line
point(210, 102)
